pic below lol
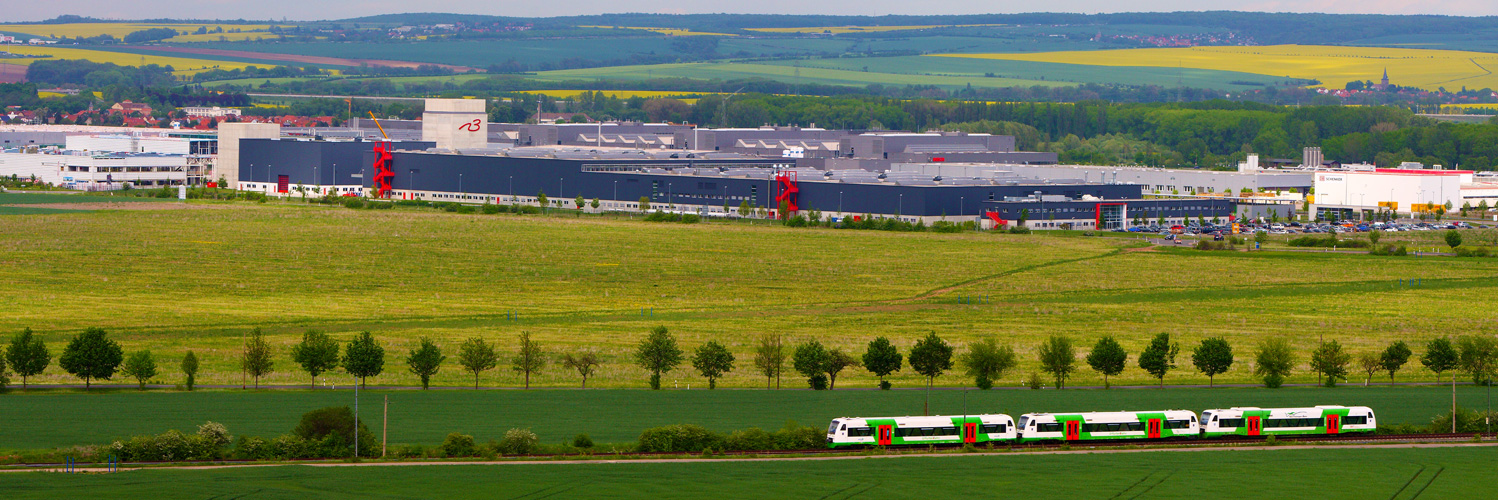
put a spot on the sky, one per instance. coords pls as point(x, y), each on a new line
point(302, 10)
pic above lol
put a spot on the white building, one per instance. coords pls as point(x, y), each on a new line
point(207, 112)
point(96, 172)
point(1401, 190)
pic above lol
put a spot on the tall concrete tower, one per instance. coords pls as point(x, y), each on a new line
point(455, 123)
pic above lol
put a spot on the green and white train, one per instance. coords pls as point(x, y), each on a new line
point(906, 431)
point(1252, 421)
point(1098, 426)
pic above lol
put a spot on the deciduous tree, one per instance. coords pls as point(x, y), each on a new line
point(712, 360)
point(584, 363)
point(1329, 361)
point(1213, 357)
point(316, 353)
point(769, 357)
point(986, 361)
point(27, 355)
point(528, 359)
point(809, 359)
point(425, 360)
point(882, 359)
point(658, 354)
point(1394, 357)
point(190, 369)
point(1108, 358)
point(1058, 358)
point(140, 366)
point(930, 357)
point(477, 356)
point(1273, 361)
point(1441, 357)
point(363, 357)
point(91, 355)
point(1159, 357)
point(837, 361)
point(258, 360)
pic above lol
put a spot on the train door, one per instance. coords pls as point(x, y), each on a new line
point(1333, 424)
point(970, 432)
point(886, 434)
point(1254, 426)
point(1073, 430)
point(1154, 428)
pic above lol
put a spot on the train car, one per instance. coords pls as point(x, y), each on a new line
point(1253, 421)
point(904, 431)
point(1165, 424)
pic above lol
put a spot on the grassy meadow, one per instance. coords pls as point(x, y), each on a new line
point(1333, 66)
point(1333, 473)
point(54, 419)
point(174, 280)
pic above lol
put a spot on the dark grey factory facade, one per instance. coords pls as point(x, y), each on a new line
point(672, 180)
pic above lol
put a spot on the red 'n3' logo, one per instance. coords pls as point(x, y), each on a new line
point(472, 126)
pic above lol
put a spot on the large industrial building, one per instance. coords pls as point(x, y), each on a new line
point(452, 162)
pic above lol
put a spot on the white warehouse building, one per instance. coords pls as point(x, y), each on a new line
point(98, 171)
point(1400, 190)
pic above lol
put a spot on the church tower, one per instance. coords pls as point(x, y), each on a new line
point(1384, 84)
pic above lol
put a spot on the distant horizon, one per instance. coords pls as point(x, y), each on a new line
point(334, 10)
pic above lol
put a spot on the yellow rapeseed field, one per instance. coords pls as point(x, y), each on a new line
point(181, 65)
point(838, 30)
point(1333, 66)
point(665, 31)
point(119, 30)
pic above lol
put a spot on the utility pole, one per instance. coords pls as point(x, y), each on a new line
point(356, 420)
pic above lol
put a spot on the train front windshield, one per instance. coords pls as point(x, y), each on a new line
point(832, 429)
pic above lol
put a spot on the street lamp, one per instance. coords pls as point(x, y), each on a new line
point(900, 209)
point(616, 190)
point(460, 186)
point(839, 204)
point(512, 188)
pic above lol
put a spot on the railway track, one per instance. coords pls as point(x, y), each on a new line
point(1048, 445)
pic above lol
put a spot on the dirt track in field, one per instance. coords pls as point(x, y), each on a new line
point(793, 459)
point(271, 56)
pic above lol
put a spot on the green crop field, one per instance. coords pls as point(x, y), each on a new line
point(1077, 73)
point(1398, 473)
point(784, 73)
point(200, 279)
point(54, 420)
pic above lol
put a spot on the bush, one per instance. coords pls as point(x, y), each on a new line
point(381, 205)
point(458, 445)
point(582, 441)
point(519, 442)
point(797, 437)
point(1328, 241)
point(209, 443)
point(691, 219)
point(1467, 421)
point(1389, 250)
point(680, 437)
point(817, 382)
point(491, 209)
point(410, 451)
point(331, 429)
point(750, 439)
point(466, 209)
point(1274, 381)
point(1212, 245)
point(353, 203)
point(1019, 230)
point(1472, 252)
point(1034, 381)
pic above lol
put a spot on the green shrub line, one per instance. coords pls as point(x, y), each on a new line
point(213, 443)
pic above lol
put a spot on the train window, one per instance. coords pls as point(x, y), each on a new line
point(1230, 422)
point(994, 428)
point(1355, 420)
point(832, 428)
point(1135, 426)
point(948, 431)
point(1049, 427)
point(1114, 427)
